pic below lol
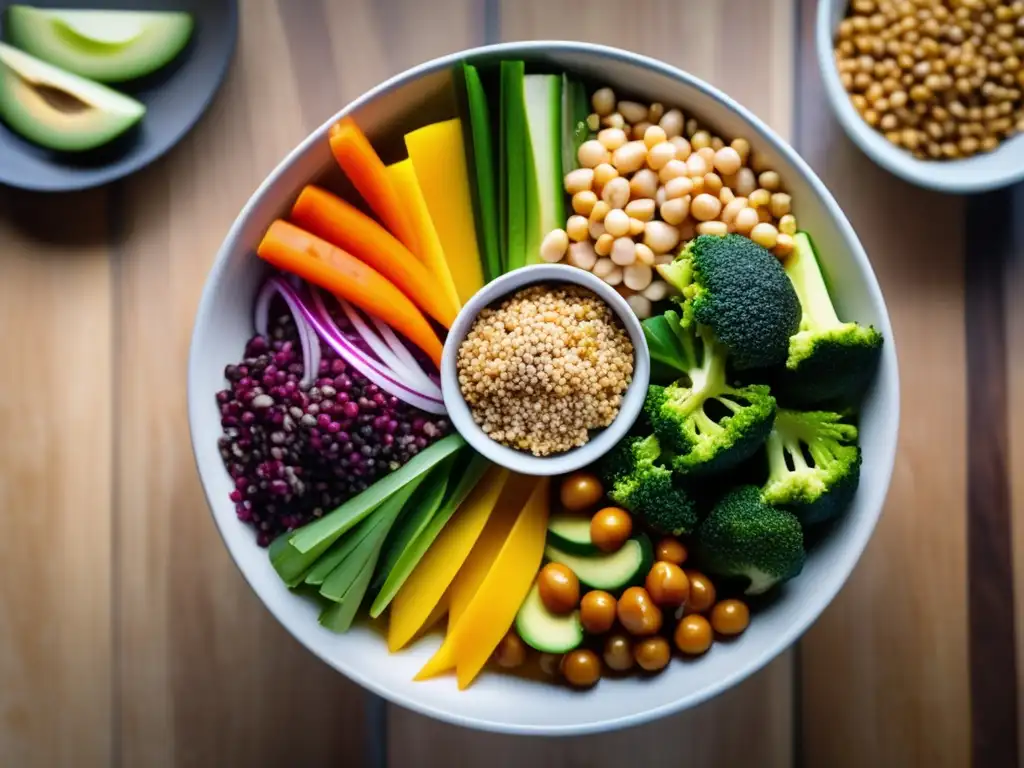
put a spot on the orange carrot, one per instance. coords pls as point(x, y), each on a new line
point(327, 216)
point(361, 164)
point(294, 250)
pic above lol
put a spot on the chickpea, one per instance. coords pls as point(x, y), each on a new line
point(559, 588)
point(746, 219)
point(673, 169)
point(579, 180)
point(652, 654)
point(610, 528)
point(597, 612)
point(705, 207)
point(579, 491)
point(592, 153)
point(702, 592)
point(604, 173)
point(638, 613)
point(660, 154)
point(603, 101)
point(618, 652)
point(765, 235)
point(667, 584)
point(511, 651)
point(713, 228)
point(643, 184)
point(670, 550)
point(581, 668)
point(577, 228)
point(693, 635)
point(730, 617)
point(746, 182)
point(612, 138)
point(727, 161)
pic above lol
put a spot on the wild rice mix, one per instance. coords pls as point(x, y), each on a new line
point(545, 367)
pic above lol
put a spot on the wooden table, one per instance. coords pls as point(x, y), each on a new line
point(128, 638)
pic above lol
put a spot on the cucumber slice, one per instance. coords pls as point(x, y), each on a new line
point(514, 162)
point(574, 121)
point(613, 571)
point(545, 199)
point(571, 533)
point(546, 631)
point(481, 164)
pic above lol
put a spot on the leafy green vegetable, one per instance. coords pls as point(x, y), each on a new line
point(334, 524)
point(514, 163)
point(545, 198)
point(418, 545)
point(481, 156)
point(574, 120)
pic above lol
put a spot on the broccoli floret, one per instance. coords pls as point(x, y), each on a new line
point(829, 360)
point(740, 290)
point(814, 464)
point(744, 536)
point(638, 482)
point(707, 425)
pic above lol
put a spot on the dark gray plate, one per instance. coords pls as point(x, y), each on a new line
point(175, 97)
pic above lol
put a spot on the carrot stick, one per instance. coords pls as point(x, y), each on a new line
point(361, 164)
point(329, 217)
point(294, 250)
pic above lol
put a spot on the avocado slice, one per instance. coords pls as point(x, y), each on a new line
point(547, 632)
point(107, 46)
point(57, 109)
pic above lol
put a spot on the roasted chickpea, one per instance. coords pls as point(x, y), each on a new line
point(511, 651)
point(597, 612)
point(652, 653)
point(581, 668)
point(667, 584)
point(559, 588)
point(549, 663)
point(638, 613)
point(693, 635)
point(618, 652)
point(610, 528)
point(580, 490)
point(730, 617)
point(670, 550)
point(702, 592)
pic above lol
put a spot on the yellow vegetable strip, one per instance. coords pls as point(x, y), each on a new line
point(493, 608)
point(438, 156)
point(488, 545)
point(403, 179)
point(427, 583)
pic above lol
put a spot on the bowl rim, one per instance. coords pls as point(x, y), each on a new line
point(458, 409)
point(813, 608)
point(922, 173)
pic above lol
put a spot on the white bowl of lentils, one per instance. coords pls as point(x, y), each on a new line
point(545, 369)
point(931, 91)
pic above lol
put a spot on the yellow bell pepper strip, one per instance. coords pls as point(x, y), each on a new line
point(473, 571)
point(438, 155)
point(427, 584)
point(493, 608)
point(403, 178)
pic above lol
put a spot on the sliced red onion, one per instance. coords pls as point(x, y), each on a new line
point(402, 353)
point(307, 338)
point(327, 329)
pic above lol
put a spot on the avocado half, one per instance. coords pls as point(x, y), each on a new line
point(58, 109)
point(107, 46)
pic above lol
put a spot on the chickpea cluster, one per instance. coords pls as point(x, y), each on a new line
point(627, 632)
point(544, 368)
point(649, 180)
point(940, 78)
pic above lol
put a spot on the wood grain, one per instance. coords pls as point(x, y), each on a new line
point(760, 708)
point(207, 677)
point(55, 481)
point(885, 669)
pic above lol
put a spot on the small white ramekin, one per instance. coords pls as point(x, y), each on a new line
point(601, 440)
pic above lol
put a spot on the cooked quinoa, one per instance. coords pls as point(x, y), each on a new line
point(545, 367)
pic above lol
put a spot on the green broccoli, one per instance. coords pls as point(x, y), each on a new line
point(706, 424)
point(740, 290)
point(637, 482)
point(814, 464)
point(744, 536)
point(829, 360)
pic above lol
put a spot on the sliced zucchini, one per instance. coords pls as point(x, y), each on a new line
point(571, 533)
point(612, 571)
point(546, 631)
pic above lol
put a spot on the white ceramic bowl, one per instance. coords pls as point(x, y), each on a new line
point(992, 170)
point(602, 440)
point(501, 702)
